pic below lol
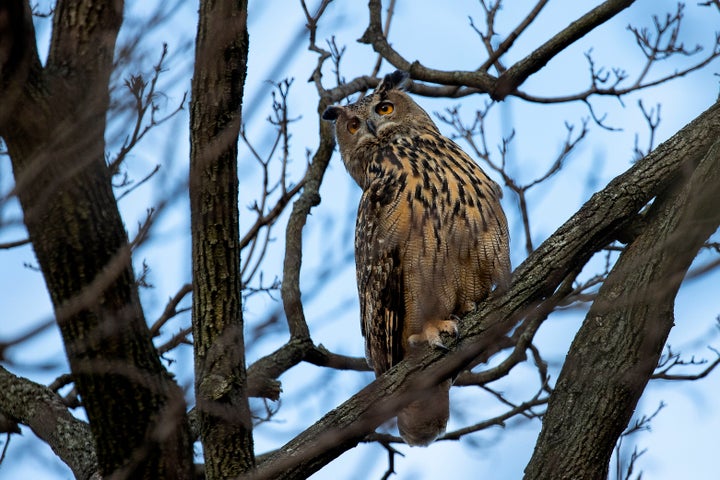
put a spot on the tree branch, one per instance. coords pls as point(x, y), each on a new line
point(516, 75)
point(42, 410)
point(221, 55)
point(619, 344)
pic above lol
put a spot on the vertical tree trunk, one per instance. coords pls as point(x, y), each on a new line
point(220, 376)
point(55, 137)
point(619, 345)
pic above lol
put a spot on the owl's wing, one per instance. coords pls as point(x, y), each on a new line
point(381, 223)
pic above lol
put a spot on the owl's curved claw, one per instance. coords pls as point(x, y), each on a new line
point(439, 345)
point(431, 333)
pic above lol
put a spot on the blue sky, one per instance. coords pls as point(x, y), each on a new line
point(683, 437)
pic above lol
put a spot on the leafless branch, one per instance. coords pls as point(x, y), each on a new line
point(180, 338)
point(13, 244)
point(321, 356)
point(671, 361)
point(171, 309)
point(641, 424)
point(476, 130)
point(135, 185)
point(312, 21)
point(495, 54)
point(263, 373)
point(391, 459)
point(652, 118)
point(710, 3)
point(386, 33)
point(657, 45)
point(41, 409)
point(144, 93)
point(524, 408)
point(143, 229)
point(521, 341)
point(36, 330)
point(255, 238)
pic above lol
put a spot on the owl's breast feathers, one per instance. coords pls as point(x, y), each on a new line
point(431, 240)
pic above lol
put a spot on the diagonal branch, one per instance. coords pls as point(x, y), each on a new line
point(619, 344)
point(513, 77)
point(514, 35)
point(42, 410)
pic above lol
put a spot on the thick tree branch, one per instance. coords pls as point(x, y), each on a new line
point(309, 198)
point(220, 378)
point(43, 411)
point(375, 37)
point(619, 344)
point(19, 60)
point(513, 77)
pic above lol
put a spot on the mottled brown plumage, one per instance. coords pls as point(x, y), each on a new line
point(431, 238)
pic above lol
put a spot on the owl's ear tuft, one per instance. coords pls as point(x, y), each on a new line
point(331, 113)
point(398, 80)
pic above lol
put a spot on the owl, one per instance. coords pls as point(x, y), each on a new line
point(431, 238)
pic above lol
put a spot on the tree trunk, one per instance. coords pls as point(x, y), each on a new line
point(619, 344)
point(220, 376)
point(55, 138)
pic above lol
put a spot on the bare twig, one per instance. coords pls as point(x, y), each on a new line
point(391, 459)
point(480, 147)
point(144, 93)
point(171, 309)
point(524, 408)
point(36, 330)
point(657, 46)
point(652, 118)
point(510, 39)
point(641, 424)
point(181, 337)
point(672, 360)
point(14, 244)
point(258, 235)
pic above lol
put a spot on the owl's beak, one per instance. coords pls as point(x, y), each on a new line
point(371, 126)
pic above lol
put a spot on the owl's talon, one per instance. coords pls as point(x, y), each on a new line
point(439, 345)
point(431, 333)
point(453, 329)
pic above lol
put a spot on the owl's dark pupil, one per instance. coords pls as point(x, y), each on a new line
point(353, 125)
point(384, 108)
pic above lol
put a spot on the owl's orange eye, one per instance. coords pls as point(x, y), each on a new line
point(353, 126)
point(384, 108)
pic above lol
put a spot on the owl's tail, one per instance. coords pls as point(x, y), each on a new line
point(425, 419)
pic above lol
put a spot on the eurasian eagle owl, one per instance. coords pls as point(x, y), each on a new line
point(431, 238)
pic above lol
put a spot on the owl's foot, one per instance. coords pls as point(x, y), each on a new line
point(431, 333)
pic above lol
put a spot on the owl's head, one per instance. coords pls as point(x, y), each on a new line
point(363, 127)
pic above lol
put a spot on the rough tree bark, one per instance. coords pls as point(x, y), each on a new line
point(619, 345)
point(215, 118)
point(53, 122)
point(42, 409)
